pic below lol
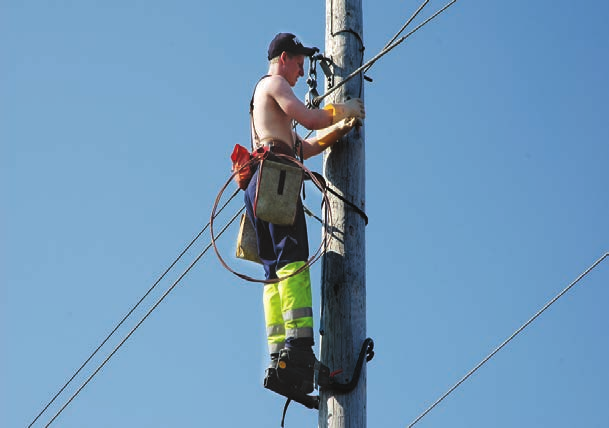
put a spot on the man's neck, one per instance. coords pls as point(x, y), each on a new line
point(275, 69)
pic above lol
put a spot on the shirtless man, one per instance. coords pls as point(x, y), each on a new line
point(283, 250)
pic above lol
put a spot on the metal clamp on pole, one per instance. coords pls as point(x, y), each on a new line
point(312, 83)
point(313, 98)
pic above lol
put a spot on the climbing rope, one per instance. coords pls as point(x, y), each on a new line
point(508, 340)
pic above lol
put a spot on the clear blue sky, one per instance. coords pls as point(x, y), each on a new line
point(487, 152)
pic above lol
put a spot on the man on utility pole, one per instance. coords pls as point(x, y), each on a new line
point(283, 248)
point(343, 270)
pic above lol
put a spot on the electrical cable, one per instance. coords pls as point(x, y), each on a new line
point(317, 101)
point(122, 342)
point(414, 15)
point(370, 63)
point(509, 339)
point(362, 49)
point(133, 308)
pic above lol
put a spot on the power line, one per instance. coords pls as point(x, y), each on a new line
point(122, 342)
point(122, 321)
point(509, 339)
point(383, 52)
point(390, 45)
point(414, 15)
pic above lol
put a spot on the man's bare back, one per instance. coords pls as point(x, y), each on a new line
point(271, 122)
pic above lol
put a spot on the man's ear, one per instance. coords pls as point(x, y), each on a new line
point(283, 57)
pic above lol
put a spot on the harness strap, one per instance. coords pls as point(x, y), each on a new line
point(295, 138)
point(252, 111)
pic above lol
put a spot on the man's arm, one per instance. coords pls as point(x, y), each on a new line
point(282, 93)
point(327, 137)
point(314, 119)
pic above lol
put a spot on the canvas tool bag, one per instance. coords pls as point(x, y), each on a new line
point(247, 243)
point(277, 191)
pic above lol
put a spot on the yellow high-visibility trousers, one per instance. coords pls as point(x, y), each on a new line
point(288, 308)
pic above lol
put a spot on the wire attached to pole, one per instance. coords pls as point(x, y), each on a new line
point(317, 101)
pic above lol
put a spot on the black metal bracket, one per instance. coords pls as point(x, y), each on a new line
point(327, 67)
point(367, 353)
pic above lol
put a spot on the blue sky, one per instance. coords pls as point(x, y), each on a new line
point(487, 145)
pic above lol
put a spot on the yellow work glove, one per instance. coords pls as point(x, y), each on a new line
point(331, 134)
point(352, 108)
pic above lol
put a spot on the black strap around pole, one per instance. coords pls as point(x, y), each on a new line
point(355, 208)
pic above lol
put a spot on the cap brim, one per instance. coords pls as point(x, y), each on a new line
point(307, 51)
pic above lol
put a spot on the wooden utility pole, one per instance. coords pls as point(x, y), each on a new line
point(344, 263)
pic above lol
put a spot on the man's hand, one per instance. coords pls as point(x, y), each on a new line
point(352, 108)
point(349, 123)
point(333, 133)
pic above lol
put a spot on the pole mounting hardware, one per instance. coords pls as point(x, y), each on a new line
point(327, 66)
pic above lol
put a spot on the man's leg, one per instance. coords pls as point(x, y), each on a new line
point(288, 302)
point(266, 251)
point(275, 330)
point(296, 305)
point(297, 361)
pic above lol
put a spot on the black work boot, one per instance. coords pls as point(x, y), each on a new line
point(296, 367)
point(274, 359)
point(273, 383)
point(292, 375)
point(271, 368)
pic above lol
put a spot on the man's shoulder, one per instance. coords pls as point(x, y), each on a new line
point(273, 83)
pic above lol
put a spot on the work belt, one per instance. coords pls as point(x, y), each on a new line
point(278, 146)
